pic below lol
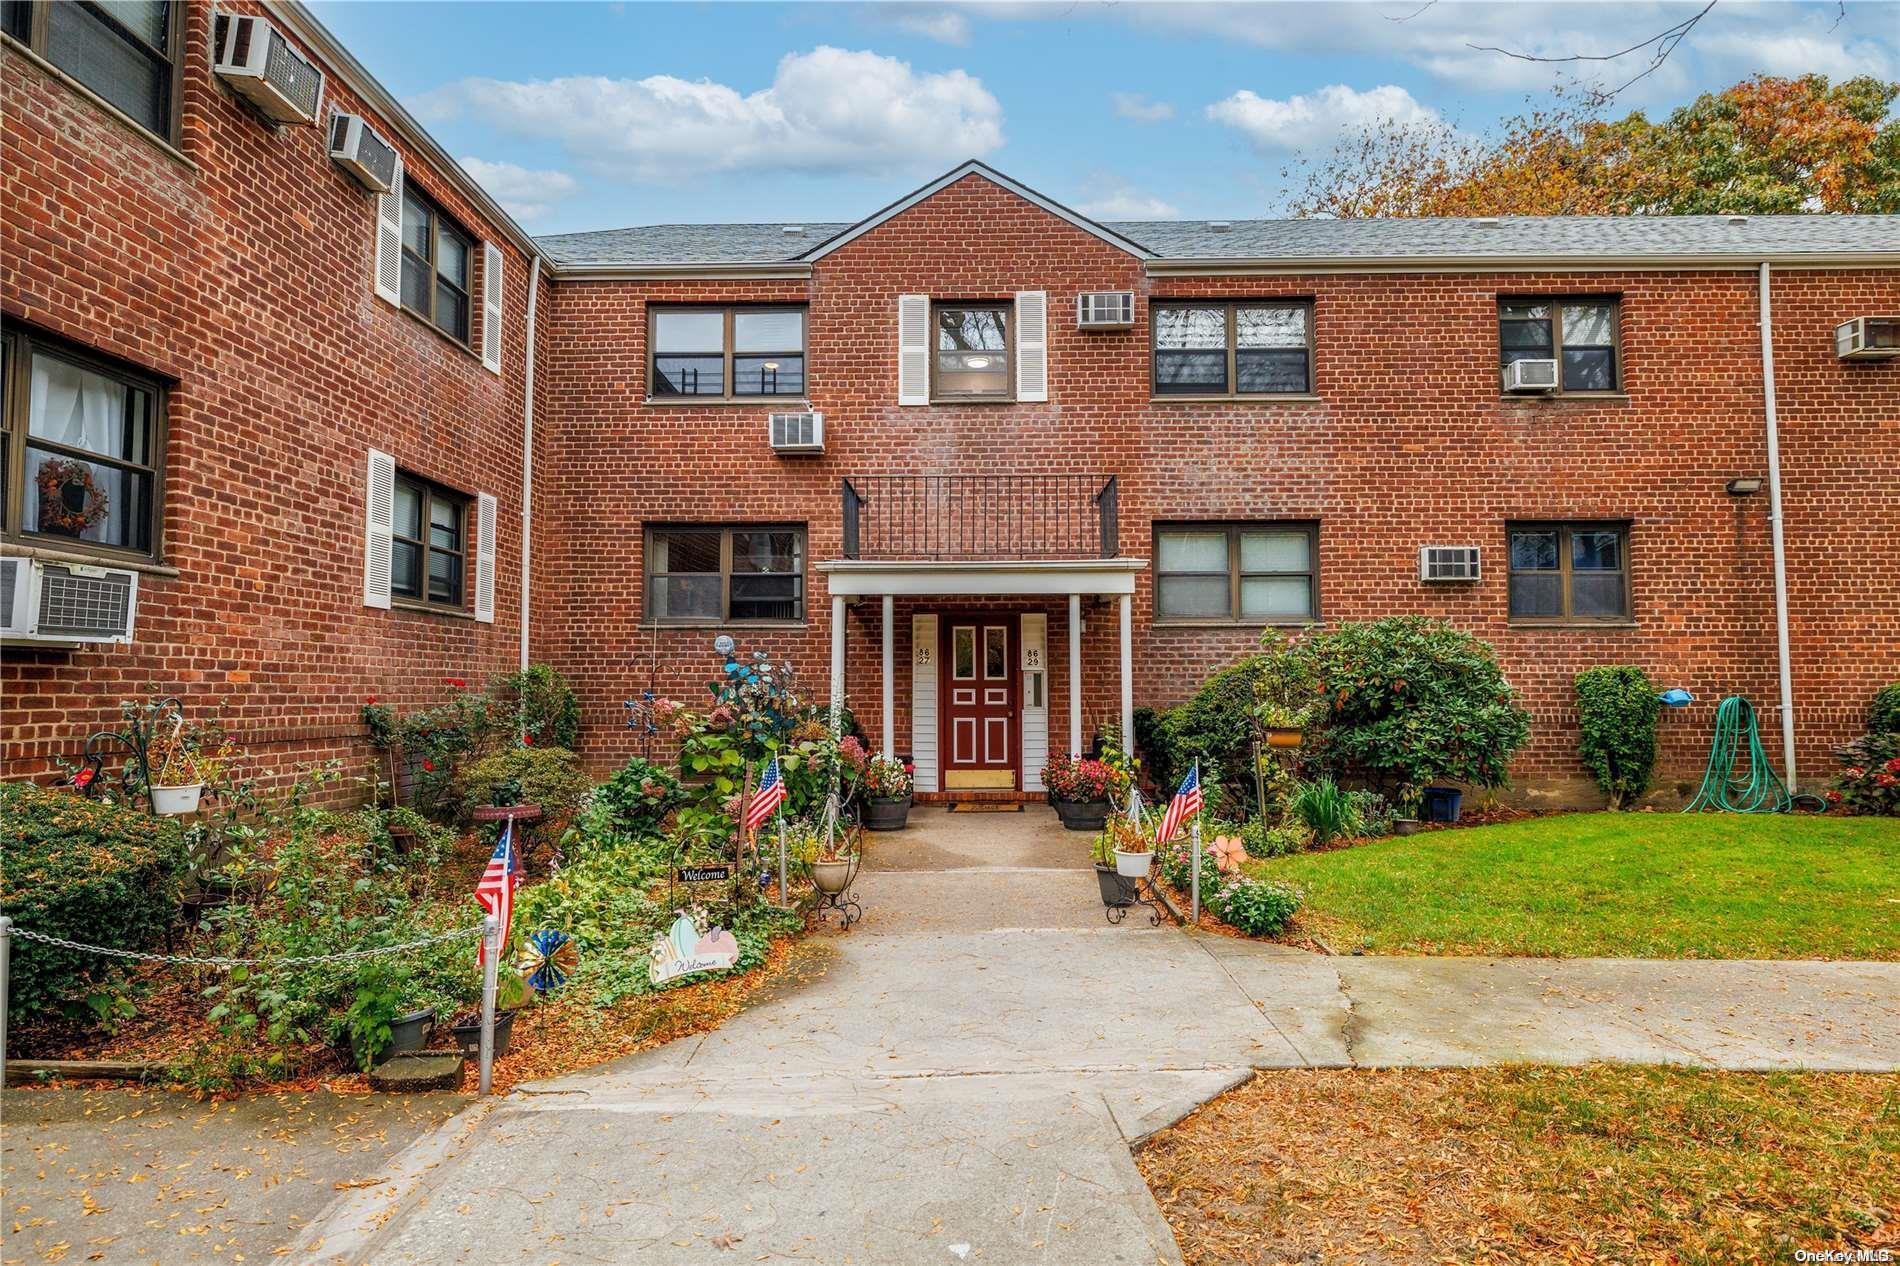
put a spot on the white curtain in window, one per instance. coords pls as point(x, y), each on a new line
point(79, 409)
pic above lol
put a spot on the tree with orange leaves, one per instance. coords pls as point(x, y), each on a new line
point(1765, 146)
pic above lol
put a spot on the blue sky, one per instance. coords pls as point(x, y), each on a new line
point(584, 116)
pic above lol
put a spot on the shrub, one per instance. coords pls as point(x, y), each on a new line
point(1325, 810)
point(1258, 907)
point(636, 800)
point(1869, 781)
point(1616, 712)
point(1262, 840)
point(1409, 701)
point(1176, 860)
point(1883, 715)
point(86, 870)
point(547, 713)
point(1214, 726)
point(1374, 810)
point(550, 777)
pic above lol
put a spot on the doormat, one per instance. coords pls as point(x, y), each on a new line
point(986, 806)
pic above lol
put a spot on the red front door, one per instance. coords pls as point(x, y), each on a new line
point(982, 730)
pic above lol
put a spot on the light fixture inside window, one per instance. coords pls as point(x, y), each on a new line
point(771, 364)
point(978, 362)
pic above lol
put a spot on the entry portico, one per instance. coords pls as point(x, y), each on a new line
point(979, 657)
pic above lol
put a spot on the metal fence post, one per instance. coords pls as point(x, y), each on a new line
point(491, 964)
point(6, 969)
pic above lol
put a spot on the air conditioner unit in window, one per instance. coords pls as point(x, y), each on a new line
point(1105, 310)
point(361, 151)
point(1531, 376)
point(797, 432)
point(1448, 562)
point(261, 66)
point(1868, 338)
point(66, 602)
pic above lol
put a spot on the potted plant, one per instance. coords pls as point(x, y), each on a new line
point(837, 856)
point(1079, 790)
point(375, 1026)
point(887, 786)
point(1120, 839)
point(511, 994)
point(1280, 725)
point(180, 770)
point(1406, 803)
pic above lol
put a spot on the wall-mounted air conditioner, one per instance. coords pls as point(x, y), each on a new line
point(1868, 338)
point(361, 151)
point(797, 432)
point(1448, 562)
point(1530, 376)
point(66, 602)
point(253, 57)
point(1105, 310)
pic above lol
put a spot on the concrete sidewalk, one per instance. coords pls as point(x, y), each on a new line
point(967, 1079)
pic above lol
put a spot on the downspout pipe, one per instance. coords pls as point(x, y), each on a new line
point(1775, 531)
point(527, 456)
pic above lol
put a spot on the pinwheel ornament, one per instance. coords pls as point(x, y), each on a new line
point(548, 958)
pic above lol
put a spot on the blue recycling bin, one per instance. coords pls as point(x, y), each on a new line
point(1440, 804)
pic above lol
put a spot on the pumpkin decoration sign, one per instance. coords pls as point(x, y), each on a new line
point(682, 950)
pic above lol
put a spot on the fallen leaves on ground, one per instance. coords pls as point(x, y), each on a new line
point(1522, 1164)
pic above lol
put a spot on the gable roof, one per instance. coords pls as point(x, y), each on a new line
point(688, 244)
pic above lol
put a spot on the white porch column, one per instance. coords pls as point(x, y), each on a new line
point(890, 677)
point(837, 652)
point(1127, 605)
point(1075, 675)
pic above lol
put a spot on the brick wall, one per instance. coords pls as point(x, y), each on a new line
point(241, 273)
point(1408, 443)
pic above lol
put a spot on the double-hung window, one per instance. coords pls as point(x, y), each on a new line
point(971, 360)
point(1579, 334)
point(726, 353)
point(436, 265)
point(429, 549)
point(1233, 349)
point(1569, 571)
point(714, 574)
point(80, 442)
point(1241, 573)
point(124, 50)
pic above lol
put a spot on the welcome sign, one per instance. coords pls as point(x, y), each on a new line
point(681, 950)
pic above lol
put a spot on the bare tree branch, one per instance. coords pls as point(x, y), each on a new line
point(1428, 4)
point(1660, 46)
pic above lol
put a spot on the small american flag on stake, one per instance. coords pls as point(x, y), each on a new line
point(1187, 800)
point(766, 800)
point(496, 891)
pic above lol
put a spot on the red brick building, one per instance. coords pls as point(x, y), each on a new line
point(1032, 471)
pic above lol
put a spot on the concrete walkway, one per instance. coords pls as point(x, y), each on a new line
point(966, 1080)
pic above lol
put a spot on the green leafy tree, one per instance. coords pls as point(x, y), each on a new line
point(1616, 713)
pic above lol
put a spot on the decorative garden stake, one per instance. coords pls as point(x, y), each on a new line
point(548, 958)
point(682, 950)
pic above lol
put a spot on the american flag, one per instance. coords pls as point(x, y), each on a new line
point(766, 800)
point(1187, 800)
point(496, 891)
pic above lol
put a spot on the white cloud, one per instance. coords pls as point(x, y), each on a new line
point(1795, 53)
point(946, 26)
point(1132, 105)
point(1319, 118)
point(527, 195)
point(1128, 204)
point(830, 110)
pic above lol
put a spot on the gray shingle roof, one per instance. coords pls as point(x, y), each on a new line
point(1510, 237)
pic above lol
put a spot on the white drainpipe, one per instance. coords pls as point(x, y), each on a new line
point(1775, 527)
point(527, 455)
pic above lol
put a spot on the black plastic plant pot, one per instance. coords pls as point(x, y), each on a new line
point(468, 1036)
point(1116, 891)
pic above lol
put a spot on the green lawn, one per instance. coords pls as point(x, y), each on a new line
point(1645, 885)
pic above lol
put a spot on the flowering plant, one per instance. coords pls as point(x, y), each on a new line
point(1121, 835)
point(886, 778)
point(1080, 780)
point(1870, 780)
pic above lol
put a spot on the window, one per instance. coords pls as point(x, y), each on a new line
point(124, 50)
point(82, 440)
point(1245, 573)
point(1569, 571)
point(429, 552)
point(1233, 349)
point(720, 574)
point(435, 265)
point(972, 356)
point(728, 353)
point(1581, 334)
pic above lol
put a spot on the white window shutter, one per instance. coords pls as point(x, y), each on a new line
point(491, 307)
point(389, 241)
point(485, 558)
point(913, 349)
point(379, 527)
point(1032, 345)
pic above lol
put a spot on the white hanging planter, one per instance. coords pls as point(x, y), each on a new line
point(172, 801)
point(1132, 865)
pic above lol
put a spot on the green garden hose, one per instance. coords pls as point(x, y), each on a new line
point(1762, 791)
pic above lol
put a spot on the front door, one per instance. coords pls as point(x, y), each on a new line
point(982, 731)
